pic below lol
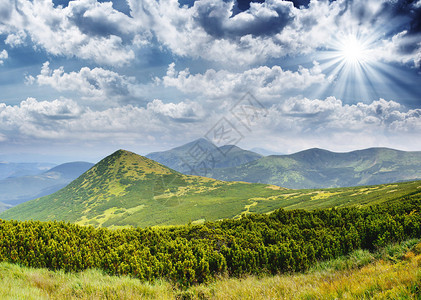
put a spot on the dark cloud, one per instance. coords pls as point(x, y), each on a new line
point(218, 20)
point(243, 5)
point(93, 26)
point(6, 8)
point(406, 9)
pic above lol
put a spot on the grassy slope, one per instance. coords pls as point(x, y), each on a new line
point(394, 273)
point(128, 189)
point(320, 168)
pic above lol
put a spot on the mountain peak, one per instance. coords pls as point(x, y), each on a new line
point(130, 164)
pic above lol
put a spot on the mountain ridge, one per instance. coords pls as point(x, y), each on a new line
point(320, 168)
point(126, 189)
point(198, 156)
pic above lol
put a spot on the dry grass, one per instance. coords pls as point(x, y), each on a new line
point(393, 273)
point(381, 280)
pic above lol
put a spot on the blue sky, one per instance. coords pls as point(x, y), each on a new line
point(80, 79)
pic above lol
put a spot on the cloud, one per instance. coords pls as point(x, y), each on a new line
point(3, 55)
point(261, 19)
point(96, 84)
point(272, 29)
point(403, 48)
point(264, 82)
point(16, 39)
point(181, 112)
point(208, 29)
point(331, 115)
point(86, 29)
point(64, 120)
point(292, 125)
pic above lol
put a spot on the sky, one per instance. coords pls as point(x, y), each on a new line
point(81, 79)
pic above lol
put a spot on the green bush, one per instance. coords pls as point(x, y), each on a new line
point(284, 241)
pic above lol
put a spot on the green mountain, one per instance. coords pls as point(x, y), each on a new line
point(201, 156)
point(128, 189)
point(16, 190)
point(317, 168)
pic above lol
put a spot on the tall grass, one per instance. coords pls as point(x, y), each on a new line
point(393, 272)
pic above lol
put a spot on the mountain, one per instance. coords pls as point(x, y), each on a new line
point(128, 189)
point(201, 156)
point(265, 152)
point(10, 169)
point(17, 190)
point(318, 168)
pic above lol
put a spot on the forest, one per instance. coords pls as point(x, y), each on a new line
point(284, 241)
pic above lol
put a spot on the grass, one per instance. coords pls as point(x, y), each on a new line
point(393, 272)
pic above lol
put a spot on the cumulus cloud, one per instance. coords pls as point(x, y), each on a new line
point(299, 122)
point(275, 28)
point(332, 115)
point(403, 48)
point(64, 120)
point(263, 81)
point(3, 55)
point(261, 19)
point(207, 29)
point(85, 29)
point(96, 84)
point(182, 112)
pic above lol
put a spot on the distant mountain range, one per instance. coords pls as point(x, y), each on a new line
point(16, 190)
point(318, 168)
point(128, 189)
point(200, 156)
point(265, 152)
point(312, 168)
point(11, 169)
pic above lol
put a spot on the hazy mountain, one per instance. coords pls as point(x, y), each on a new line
point(17, 190)
point(265, 152)
point(128, 189)
point(200, 156)
point(317, 168)
point(10, 169)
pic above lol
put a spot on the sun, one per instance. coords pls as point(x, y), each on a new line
point(352, 50)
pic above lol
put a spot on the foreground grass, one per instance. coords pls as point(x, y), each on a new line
point(392, 273)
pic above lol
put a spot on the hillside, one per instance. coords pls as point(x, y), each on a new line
point(17, 190)
point(283, 242)
point(199, 156)
point(128, 189)
point(318, 168)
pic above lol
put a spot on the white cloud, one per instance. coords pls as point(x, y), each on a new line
point(96, 31)
point(266, 82)
point(393, 50)
point(86, 29)
point(267, 30)
point(332, 115)
point(183, 112)
point(298, 122)
point(96, 84)
point(16, 39)
point(65, 120)
point(3, 55)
